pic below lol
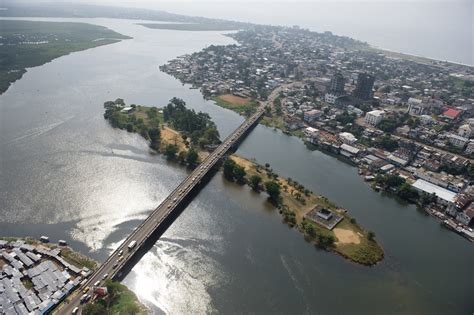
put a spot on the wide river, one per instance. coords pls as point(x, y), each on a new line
point(67, 174)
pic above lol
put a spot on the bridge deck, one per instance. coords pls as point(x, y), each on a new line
point(114, 264)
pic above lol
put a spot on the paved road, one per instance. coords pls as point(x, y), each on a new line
point(115, 262)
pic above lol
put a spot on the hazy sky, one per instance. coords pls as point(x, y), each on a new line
point(442, 29)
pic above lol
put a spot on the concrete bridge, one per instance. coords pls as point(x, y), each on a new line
point(122, 260)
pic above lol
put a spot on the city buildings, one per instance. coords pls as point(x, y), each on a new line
point(374, 117)
point(365, 84)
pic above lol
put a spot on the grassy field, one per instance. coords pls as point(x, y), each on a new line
point(27, 44)
point(77, 259)
point(188, 27)
point(243, 106)
point(351, 241)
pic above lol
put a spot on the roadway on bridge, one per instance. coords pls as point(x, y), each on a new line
point(118, 258)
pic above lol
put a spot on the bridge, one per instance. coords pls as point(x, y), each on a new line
point(122, 260)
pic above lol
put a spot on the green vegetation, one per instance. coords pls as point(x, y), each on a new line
point(175, 131)
point(273, 190)
point(139, 119)
point(233, 171)
point(197, 126)
point(400, 187)
point(189, 26)
point(246, 109)
point(119, 301)
point(27, 44)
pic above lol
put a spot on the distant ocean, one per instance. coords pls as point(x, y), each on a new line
point(436, 29)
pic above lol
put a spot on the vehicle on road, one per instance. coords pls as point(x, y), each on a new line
point(75, 310)
point(132, 245)
point(120, 252)
point(97, 283)
point(86, 289)
point(105, 276)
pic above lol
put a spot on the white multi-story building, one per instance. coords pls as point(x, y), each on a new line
point(458, 141)
point(330, 98)
point(374, 117)
point(465, 131)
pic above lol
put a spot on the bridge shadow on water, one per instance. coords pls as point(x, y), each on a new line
point(179, 208)
point(165, 224)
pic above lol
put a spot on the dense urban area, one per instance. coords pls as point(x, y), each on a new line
point(406, 122)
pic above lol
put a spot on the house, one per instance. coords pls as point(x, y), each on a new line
point(451, 113)
point(311, 115)
point(374, 117)
point(470, 147)
point(466, 216)
point(465, 131)
point(416, 106)
point(311, 132)
point(324, 214)
point(292, 123)
point(348, 150)
point(457, 141)
point(330, 98)
point(347, 137)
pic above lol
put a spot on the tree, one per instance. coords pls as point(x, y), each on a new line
point(273, 190)
point(406, 191)
point(94, 309)
point(255, 181)
point(229, 169)
point(170, 151)
point(393, 180)
point(192, 157)
point(325, 240)
point(371, 236)
point(239, 173)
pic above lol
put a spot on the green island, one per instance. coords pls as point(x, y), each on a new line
point(189, 26)
point(187, 137)
point(27, 44)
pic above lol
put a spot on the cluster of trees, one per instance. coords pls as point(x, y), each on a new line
point(398, 185)
point(346, 118)
point(233, 171)
point(199, 127)
point(389, 124)
point(288, 216)
point(189, 157)
point(323, 238)
point(150, 130)
point(386, 142)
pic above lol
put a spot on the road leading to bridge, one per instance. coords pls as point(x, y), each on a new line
point(115, 263)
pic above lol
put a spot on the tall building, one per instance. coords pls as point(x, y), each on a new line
point(365, 83)
point(336, 86)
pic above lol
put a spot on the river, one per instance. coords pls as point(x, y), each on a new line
point(67, 174)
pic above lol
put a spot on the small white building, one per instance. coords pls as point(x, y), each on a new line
point(374, 117)
point(347, 137)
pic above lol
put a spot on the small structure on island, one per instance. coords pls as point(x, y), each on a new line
point(44, 239)
point(324, 217)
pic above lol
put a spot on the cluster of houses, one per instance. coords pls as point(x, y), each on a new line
point(387, 114)
point(34, 278)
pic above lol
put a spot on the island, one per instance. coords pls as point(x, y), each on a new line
point(27, 44)
point(187, 137)
point(39, 276)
